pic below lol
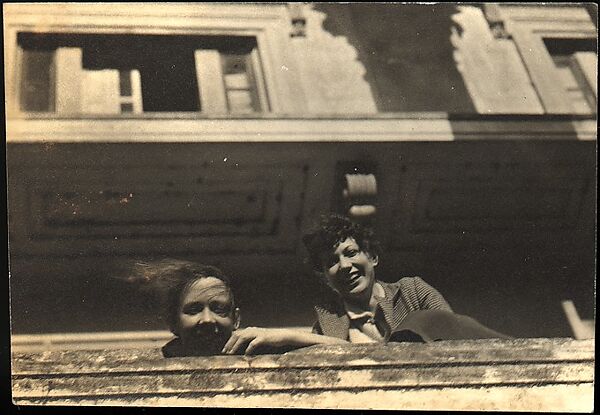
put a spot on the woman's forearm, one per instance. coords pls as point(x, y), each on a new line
point(250, 338)
point(302, 338)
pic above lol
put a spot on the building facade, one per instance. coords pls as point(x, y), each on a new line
point(220, 132)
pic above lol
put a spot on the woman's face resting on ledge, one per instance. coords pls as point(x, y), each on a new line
point(206, 317)
point(207, 324)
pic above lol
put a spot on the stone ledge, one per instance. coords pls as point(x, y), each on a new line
point(521, 374)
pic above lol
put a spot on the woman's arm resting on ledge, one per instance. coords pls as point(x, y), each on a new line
point(253, 337)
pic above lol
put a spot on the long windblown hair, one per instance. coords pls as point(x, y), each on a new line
point(165, 281)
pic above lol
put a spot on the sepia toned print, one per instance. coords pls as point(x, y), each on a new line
point(302, 205)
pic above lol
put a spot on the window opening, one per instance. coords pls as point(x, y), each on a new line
point(239, 83)
point(575, 61)
point(91, 73)
point(37, 81)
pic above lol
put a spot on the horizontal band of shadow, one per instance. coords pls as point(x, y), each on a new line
point(308, 390)
point(439, 365)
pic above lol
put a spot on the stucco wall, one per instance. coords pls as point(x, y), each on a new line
point(406, 51)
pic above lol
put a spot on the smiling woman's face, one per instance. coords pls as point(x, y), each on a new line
point(350, 271)
point(206, 317)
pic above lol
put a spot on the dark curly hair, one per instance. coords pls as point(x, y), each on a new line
point(333, 229)
point(166, 280)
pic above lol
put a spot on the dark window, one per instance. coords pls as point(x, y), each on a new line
point(37, 80)
point(134, 73)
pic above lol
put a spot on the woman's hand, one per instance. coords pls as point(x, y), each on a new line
point(252, 337)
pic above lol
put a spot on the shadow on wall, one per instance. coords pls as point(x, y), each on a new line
point(407, 53)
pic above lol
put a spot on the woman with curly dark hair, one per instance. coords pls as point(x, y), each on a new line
point(360, 308)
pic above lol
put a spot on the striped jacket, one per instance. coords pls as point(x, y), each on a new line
point(401, 297)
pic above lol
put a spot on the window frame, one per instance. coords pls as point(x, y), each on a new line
point(571, 64)
point(255, 77)
point(265, 22)
point(529, 25)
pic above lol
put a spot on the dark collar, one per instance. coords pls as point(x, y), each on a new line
point(334, 321)
point(173, 348)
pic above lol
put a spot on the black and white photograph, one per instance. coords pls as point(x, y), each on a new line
point(311, 205)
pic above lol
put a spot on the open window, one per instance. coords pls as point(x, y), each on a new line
point(575, 64)
point(558, 46)
point(116, 74)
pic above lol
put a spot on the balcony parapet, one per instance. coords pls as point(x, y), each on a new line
point(520, 374)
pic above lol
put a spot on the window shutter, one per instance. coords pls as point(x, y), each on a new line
point(210, 81)
point(68, 80)
point(258, 79)
point(100, 92)
point(584, 64)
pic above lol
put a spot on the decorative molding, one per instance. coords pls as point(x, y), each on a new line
point(493, 16)
point(415, 127)
point(298, 20)
point(499, 31)
point(463, 203)
point(360, 194)
point(190, 208)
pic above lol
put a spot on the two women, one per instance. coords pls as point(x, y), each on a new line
point(356, 307)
